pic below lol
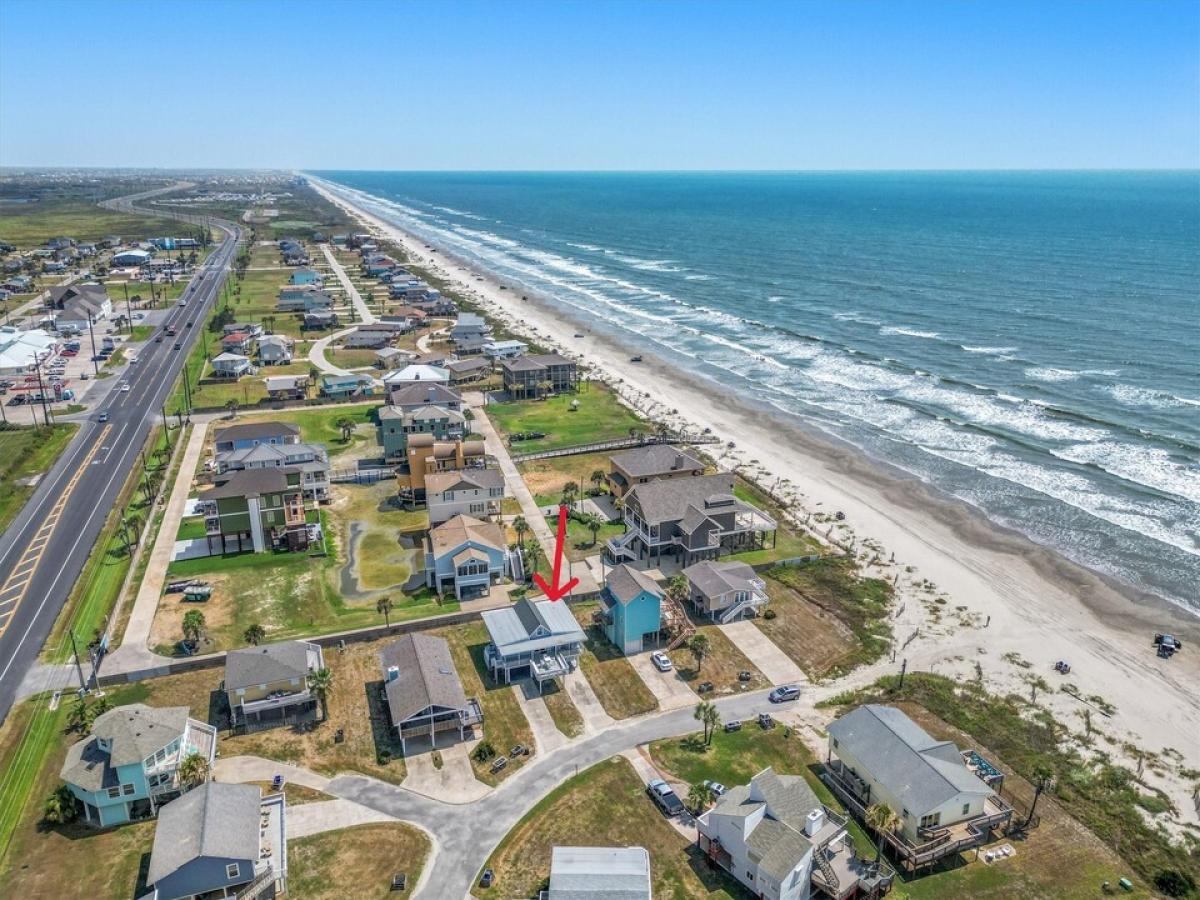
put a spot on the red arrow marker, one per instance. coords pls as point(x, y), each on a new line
point(556, 591)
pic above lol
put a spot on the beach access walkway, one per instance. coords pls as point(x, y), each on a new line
point(365, 316)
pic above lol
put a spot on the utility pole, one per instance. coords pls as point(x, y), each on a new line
point(166, 428)
point(37, 365)
point(78, 667)
point(128, 309)
point(92, 334)
point(903, 669)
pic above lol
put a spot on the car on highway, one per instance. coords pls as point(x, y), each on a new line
point(124, 385)
point(103, 417)
point(183, 303)
point(177, 345)
point(661, 661)
point(133, 360)
point(783, 693)
point(664, 798)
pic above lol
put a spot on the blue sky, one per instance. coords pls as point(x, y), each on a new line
point(515, 85)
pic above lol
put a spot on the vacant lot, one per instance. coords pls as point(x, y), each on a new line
point(24, 454)
point(618, 687)
point(721, 665)
point(504, 724)
point(320, 426)
point(356, 862)
point(547, 476)
point(32, 224)
point(600, 417)
point(828, 618)
point(604, 806)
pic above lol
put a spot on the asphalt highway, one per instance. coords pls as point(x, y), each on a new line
point(44, 550)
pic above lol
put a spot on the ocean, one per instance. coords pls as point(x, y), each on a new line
point(1026, 342)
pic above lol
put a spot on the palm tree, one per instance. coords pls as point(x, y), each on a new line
point(881, 818)
point(346, 426)
point(521, 527)
point(383, 606)
point(699, 796)
point(232, 406)
point(193, 770)
point(193, 626)
point(699, 645)
point(570, 491)
point(254, 634)
point(712, 719)
point(677, 588)
point(593, 523)
point(60, 808)
point(1043, 780)
point(320, 683)
point(79, 718)
point(700, 714)
point(597, 478)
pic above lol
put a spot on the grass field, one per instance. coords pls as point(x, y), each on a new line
point(504, 724)
point(721, 664)
point(318, 426)
point(357, 862)
point(32, 224)
point(618, 687)
point(600, 417)
point(828, 618)
point(563, 711)
point(789, 542)
point(604, 806)
point(24, 453)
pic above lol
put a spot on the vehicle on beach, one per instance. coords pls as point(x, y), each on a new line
point(1168, 645)
point(661, 661)
point(635, 359)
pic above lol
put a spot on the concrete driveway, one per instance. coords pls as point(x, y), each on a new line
point(684, 823)
point(585, 700)
point(762, 651)
point(454, 782)
point(546, 736)
point(671, 691)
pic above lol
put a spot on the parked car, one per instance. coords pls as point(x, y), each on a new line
point(733, 725)
point(661, 661)
point(488, 877)
point(664, 798)
point(716, 787)
point(783, 693)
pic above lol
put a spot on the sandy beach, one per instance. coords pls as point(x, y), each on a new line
point(1003, 594)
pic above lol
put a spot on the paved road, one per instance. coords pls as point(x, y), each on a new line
point(44, 550)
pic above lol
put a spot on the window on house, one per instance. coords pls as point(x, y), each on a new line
point(114, 793)
point(966, 808)
point(233, 870)
point(931, 821)
point(127, 790)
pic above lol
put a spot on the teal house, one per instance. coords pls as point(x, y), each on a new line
point(129, 765)
point(343, 387)
point(631, 608)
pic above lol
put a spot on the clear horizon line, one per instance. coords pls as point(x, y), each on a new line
point(619, 171)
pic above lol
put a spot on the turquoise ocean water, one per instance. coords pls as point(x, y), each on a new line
point(1026, 342)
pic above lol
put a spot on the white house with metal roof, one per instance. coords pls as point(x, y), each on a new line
point(599, 873)
point(539, 635)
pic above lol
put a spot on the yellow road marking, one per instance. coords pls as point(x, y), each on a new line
point(18, 582)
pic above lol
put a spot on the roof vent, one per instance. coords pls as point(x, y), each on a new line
point(393, 673)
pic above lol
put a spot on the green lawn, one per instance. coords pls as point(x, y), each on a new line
point(600, 417)
point(191, 529)
point(618, 687)
point(318, 426)
point(789, 542)
point(24, 453)
point(358, 861)
point(604, 806)
point(32, 224)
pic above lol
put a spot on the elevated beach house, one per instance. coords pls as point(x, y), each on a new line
point(274, 350)
point(261, 508)
point(251, 434)
point(539, 375)
point(231, 365)
point(599, 873)
point(466, 371)
point(268, 685)
point(425, 454)
point(630, 608)
point(307, 276)
point(128, 765)
point(286, 387)
point(237, 342)
point(725, 590)
point(220, 840)
point(424, 694)
point(540, 638)
point(303, 298)
point(877, 754)
point(469, 334)
point(397, 425)
point(345, 387)
point(688, 519)
point(465, 556)
point(654, 462)
point(311, 459)
point(775, 837)
point(470, 492)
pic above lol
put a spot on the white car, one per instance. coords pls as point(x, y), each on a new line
point(133, 360)
point(716, 787)
point(124, 385)
point(661, 661)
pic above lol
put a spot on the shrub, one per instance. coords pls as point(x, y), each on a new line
point(383, 757)
point(769, 614)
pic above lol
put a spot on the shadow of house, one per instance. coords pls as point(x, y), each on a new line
point(383, 736)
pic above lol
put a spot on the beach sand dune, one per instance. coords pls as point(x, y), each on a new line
point(1037, 606)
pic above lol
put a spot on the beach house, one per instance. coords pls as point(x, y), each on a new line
point(465, 556)
point(470, 492)
point(425, 454)
point(877, 754)
point(287, 387)
point(251, 434)
point(302, 298)
point(688, 519)
point(220, 840)
point(778, 840)
point(262, 508)
point(344, 387)
point(540, 638)
point(504, 349)
point(319, 320)
point(370, 337)
point(128, 764)
point(307, 276)
point(274, 350)
point(630, 608)
point(312, 460)
point(424, 694)
point(725, 590)
point(415, 373)
point(539, 375)
point(237, 342)
point(268, 685)
point(231, 365)
point(466, 371)
point(654, 462)
point(469, 333)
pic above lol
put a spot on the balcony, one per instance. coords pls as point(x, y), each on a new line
point(545, 666)
point(277, 700)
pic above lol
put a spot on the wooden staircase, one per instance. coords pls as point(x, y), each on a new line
point(831, 879)
point(676, 622)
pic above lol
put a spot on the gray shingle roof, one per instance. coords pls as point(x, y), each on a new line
point(253, 666)
point(655, 459)
point(669, 500)
point(426, 676)
point(250, 483)
point(256, 431)
point(425, 392)
point(216, 820)
point(463, 479)
point(625, 582)
point(921, 772)
point(778, 840)
point(712, 579)
point(135, 732)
